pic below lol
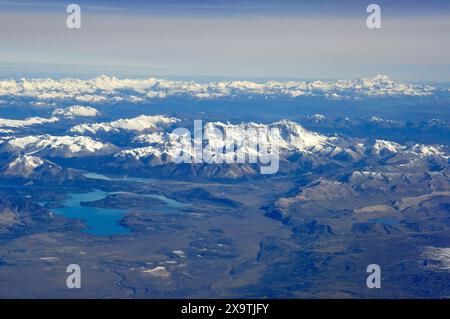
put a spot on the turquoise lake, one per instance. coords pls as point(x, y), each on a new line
point(105, 221)
point(100, 221)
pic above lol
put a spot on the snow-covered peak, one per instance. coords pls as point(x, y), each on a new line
point(27, 162)
point(380, 146)
point(381, 78)
point(76, 111)
point(151, 138)
point(440, 256)
point(137, 124)
point(429, 150)
point(37, 169)
point(317, 118)
point(25, 166)
point(293, 135)
point(285, 135)
point(26, 122)
point(65, 146)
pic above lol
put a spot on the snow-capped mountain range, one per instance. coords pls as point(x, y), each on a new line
point(73, 119)
point(292, 138)
point(138, 124)
point(37, 169)
point(76, 111)
point(104, 89)
point(57, 146)
point(11, 123)
point(149, 143)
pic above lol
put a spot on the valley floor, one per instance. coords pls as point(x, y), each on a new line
point(229, 248)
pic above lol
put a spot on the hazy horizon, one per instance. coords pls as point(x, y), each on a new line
point(226, 40)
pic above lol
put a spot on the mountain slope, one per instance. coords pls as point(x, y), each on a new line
point(27, 167)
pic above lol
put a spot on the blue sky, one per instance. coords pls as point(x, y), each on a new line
point(246, 39)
